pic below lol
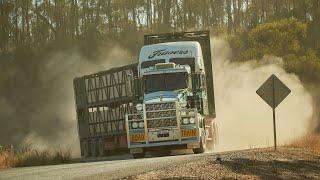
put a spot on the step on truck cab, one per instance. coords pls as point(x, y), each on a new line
point(176, 109)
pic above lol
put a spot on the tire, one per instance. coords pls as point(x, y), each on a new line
point(201, 149)
point(86, 148)
point(94, 148)
point(82, 148)
point(101, 145)
point(212, 134)
point(211, 143)
point(138, 155)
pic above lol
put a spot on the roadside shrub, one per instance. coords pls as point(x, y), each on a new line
point(32, 157)
point(282, 37)
point(310, 142)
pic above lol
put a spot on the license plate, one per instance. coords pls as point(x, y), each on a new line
point(137, 137)
point(163, 134)
point(188, 132)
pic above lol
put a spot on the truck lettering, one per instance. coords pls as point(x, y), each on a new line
point(162, 52)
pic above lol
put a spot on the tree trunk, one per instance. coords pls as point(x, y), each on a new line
point(229, 16)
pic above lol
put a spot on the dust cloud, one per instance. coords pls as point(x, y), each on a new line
point(44, 116)
point(244, 119)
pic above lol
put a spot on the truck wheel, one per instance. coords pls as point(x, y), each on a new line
point(212, 131)
point(138, 155)
point(199, 150)
point(101, 147)
point(86, 148)
point(94, 147)
point(82, 147)
point(214, 140)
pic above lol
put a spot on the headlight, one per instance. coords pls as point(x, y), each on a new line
point(141, 124)
point(139, 107)
point(192, 120)
point(183, 103)
point(183, 113)
point(134, 125)
point(185, 121)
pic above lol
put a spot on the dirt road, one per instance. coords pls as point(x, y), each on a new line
point(249, 164)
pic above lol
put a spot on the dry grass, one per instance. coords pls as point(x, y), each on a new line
point(310, 142)
point(32, 157)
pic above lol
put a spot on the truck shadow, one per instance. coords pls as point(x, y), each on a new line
point(152, 154)
point(300, 169)
point(98, 159)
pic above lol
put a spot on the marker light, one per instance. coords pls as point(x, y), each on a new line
point(185, 121)
point(134, 125)
point(192, 120)
point(141, 124)
point(139, 107)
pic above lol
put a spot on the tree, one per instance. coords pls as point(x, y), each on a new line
point(279, 38)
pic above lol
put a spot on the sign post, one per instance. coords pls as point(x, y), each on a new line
point(274, 118)
point(273, 92)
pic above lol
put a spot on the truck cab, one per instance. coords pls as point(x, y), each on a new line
point(171, 111)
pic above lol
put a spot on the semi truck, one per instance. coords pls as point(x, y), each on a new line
point(164, 101)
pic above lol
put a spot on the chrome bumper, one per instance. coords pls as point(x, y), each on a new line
point(166, 143)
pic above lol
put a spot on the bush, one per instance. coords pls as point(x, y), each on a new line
point(285, 38)
point(310, 142)
point(279, 38)
point(32, 157)
point(306, 66)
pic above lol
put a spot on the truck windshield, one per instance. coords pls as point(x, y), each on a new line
point(165, 82)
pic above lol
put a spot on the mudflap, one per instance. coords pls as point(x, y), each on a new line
point(211, 133)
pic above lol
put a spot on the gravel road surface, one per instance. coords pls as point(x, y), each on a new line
point(286, 163)
point(109, 169)
point(248, 164)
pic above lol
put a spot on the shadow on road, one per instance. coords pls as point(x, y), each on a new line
point(151, 154)
point(98, 159)
point(286, 169)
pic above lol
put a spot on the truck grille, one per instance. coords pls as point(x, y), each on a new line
point(155, 123)
point(161, 114)
point(160, 106)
